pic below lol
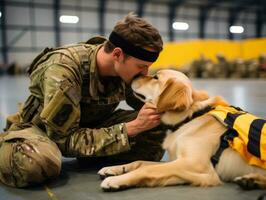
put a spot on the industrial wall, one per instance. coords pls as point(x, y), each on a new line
point(178, 54)
point(31, 25)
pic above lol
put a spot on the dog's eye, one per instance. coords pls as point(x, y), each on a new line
point(155, 77)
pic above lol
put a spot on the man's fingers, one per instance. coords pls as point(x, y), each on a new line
point(157, 122)
point(155, 117)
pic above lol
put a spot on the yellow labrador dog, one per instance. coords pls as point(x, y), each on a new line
point(190, 147)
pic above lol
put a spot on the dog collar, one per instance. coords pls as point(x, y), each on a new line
point(195, 115)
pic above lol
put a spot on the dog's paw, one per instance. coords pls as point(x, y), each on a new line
point(111, 171)
point(247, 182)
point(112, 184)
point(106, 172)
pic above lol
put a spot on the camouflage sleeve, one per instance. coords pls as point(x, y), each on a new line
point(132, 100)
point(98, 142)
point(61, 115)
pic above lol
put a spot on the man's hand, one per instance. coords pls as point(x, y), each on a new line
point(147, 118)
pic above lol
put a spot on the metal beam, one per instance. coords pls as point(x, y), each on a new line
point(172, 13)
point(202, 21)
point(4, 32)
point(259, 23)
point(204, 12)
point(57, 23)
point(33, 23)
point(140, 7)
point(231, 20)
point(101, 11)
point(233, 15)
point(171, 18)
point(260, 17)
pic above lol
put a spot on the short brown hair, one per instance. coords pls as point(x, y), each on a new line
point(138, 32)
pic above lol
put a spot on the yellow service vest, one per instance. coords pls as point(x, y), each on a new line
point(250, 140)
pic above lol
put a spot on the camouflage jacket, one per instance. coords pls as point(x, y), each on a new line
point(74, 100)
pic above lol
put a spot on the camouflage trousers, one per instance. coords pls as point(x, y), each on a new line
point(28, 156)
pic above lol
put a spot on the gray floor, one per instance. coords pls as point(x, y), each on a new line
point(81, 182)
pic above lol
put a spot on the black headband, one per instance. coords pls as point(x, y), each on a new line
point(132, 50)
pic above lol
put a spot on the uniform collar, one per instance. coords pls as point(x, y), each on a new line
point(95, 84)
point(96, 88)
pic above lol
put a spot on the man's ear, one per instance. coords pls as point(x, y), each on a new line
point(117, 53)
point(175, 96)
point(200, 95)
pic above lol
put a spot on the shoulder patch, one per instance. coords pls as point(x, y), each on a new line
point(63, 114)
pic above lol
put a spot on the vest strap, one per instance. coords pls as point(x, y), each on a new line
point(229, 134)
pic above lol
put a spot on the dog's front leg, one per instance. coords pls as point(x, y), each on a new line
point(161, 174)
point(177, 172)
point(122, 169)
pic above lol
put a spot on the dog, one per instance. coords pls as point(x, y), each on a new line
point(191, 147)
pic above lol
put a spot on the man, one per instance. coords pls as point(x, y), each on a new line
point(75, 90)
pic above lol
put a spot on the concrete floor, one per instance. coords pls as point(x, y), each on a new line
point(81, 182)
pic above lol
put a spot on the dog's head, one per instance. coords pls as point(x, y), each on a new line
point(167, 90)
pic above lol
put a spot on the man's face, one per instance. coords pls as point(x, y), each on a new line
point(128, 68)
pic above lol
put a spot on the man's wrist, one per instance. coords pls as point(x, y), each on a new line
point(132, 128)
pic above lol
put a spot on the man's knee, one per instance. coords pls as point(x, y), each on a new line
point(28, 161)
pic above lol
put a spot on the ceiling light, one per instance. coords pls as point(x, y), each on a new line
point(236, 29)
point(69, 19)
point(180, 26)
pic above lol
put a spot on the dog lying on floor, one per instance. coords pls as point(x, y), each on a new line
point(204, 151)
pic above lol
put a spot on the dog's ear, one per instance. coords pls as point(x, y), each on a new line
point(175, 96)
point(200, 95)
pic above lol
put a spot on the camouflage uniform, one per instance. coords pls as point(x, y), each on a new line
point(238, 68)
point(201, 68)
point(262, 66)
point(252, 68)
point(71, 110)
point(222, 67)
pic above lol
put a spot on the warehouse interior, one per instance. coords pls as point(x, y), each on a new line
point(219, 44)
